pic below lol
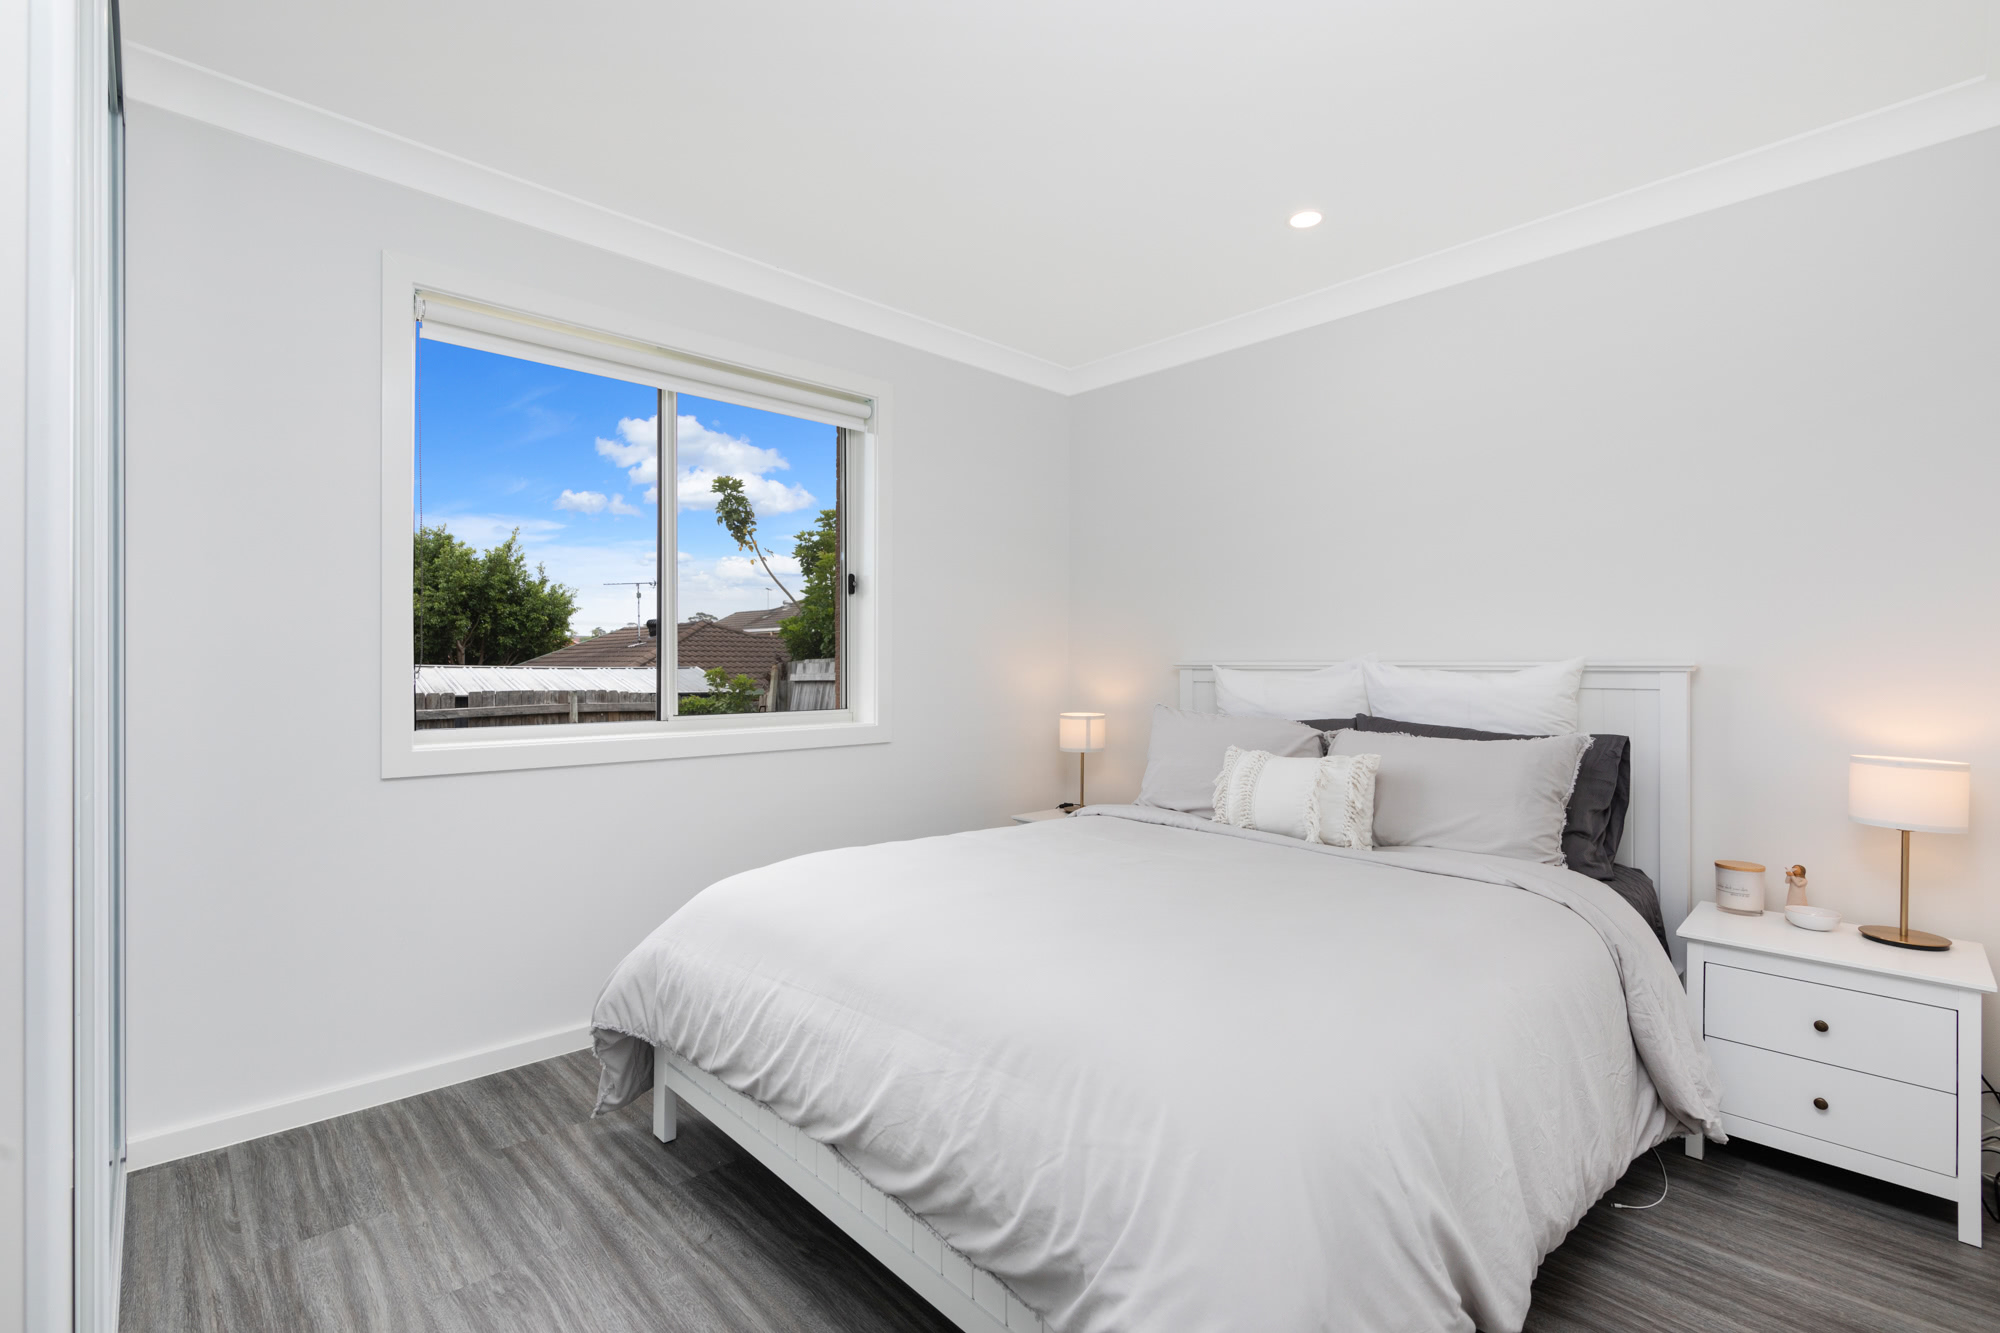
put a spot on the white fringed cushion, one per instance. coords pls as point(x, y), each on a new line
point(1329, 800)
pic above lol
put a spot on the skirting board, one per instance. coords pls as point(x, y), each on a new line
point(169, 1145)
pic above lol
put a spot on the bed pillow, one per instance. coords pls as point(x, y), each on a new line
point(1330, 799)
point(1502, 798)
point(1337, 691)
point(1539, 700)
point(1596, 820)
point(1186, 749)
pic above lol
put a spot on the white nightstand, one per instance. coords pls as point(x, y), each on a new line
point(1036, 816)
point(1843, 1050)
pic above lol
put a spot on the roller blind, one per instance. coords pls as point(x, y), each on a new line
point(455, 319)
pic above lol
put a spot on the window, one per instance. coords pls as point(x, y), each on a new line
point(550, 465)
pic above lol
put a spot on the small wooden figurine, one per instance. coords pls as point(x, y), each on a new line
point(1795, 886)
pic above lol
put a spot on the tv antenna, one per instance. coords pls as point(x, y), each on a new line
point(638, 599)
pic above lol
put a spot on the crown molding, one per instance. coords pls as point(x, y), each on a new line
point(1920, 122)
point(171, 84)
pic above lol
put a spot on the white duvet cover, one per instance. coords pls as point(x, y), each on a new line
point(1159, 1074)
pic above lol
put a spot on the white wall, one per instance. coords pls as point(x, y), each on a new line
point(297, 923)
point(1766, 439)
point(13, 522)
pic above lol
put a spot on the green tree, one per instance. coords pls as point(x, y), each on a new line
point(727, 694)
point(474, 609)
point(810, 633)
point(735, 513)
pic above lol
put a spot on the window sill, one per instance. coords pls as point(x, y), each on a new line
point(413, 754)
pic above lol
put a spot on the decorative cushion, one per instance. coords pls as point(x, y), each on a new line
point(1336, 691)
point(1186, 749)
point(1330, 799)
point(1503, 798)
point(1538, 700)
point(1596, 820)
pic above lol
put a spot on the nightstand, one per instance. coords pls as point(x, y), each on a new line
point(1037, 816)
point(1843, 1050)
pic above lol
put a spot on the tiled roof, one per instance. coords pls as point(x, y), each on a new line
point(760, 622)
point(710, 643)
point(613, 648)
point(702, 644)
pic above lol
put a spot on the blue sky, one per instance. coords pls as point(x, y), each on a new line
point(568, 459)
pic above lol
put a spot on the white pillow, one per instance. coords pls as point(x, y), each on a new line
point(1504, 798)
point(1540, 700)
point(1336, 691)
point(1329, 800)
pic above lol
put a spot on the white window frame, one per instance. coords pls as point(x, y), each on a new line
point(407, 752)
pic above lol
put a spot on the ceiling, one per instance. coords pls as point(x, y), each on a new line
point(1074, 180)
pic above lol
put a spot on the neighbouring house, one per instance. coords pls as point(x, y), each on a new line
point(626, 646)
point(700, 645)
point(716, 643)
point(760, 622)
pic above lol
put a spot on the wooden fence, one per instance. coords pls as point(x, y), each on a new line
point(529, 708)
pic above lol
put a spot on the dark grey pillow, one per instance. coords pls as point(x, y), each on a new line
point(1597, 803)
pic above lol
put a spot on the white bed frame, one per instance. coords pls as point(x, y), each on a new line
point(970, 1297)
point(1647, 702)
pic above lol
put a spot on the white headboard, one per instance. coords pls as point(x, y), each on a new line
point(1647, 701)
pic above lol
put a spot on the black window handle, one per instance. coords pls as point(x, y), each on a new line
point(853, 584)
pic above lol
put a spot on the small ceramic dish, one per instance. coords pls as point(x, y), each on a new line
point(1812, 918)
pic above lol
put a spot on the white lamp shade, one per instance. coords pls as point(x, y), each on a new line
point(1921, 795)
point(1080, 733)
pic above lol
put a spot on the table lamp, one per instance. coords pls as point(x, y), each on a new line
point(1912, 796)
point(1079, 734)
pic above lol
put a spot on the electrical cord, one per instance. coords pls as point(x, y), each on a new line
point(1991, 1205)
point(1665, 1184)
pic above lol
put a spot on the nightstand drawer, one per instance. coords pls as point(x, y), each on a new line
point(1881, 1116)
point(1899, 1039)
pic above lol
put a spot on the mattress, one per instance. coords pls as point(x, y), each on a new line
point(1155, 1073)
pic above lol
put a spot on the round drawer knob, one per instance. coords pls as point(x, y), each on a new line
point(1819, 1103)
point(1819, 1025)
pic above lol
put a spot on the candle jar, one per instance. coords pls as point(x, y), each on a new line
point(1739, 887)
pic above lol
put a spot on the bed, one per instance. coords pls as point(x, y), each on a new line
point(1139, 1070)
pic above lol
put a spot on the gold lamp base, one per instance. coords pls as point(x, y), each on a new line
point(1904, 938)
point(1901, 935)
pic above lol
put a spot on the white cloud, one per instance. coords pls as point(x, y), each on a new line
point(729, 455)
point(732, 583)
point(697, 491)
point(489, 530)
point(618, 506)
point(704, 455)
point(637, 445)
point(582, 502)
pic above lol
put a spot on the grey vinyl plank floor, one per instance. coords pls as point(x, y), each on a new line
point(500, 1206)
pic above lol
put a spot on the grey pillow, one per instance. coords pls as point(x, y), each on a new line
point(1184, 756)
point(1503, 798)
point(1597, 805)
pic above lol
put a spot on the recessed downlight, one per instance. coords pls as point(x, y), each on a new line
point(1305, 217)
